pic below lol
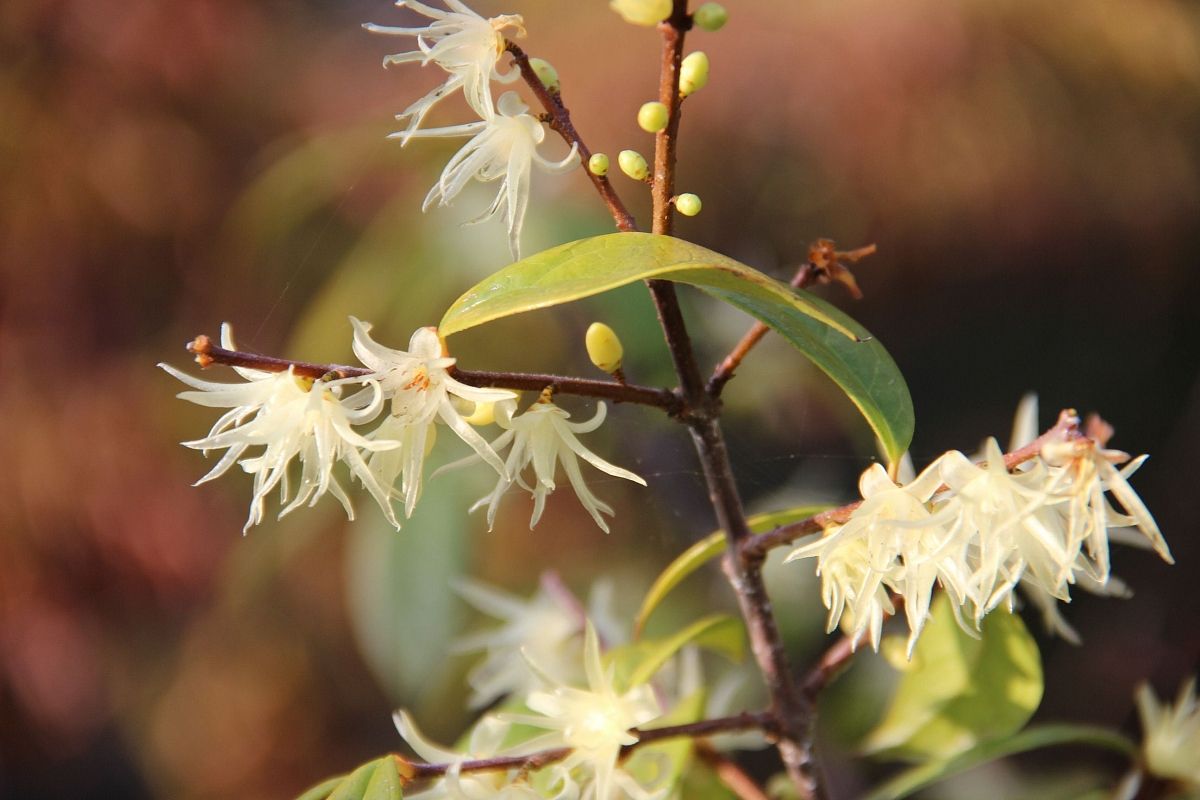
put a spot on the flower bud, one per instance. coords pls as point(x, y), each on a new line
point(603, 347)
point(633, 164)
point(598, 164)
point(693, 73)
point(711, 17)
point(546, 73)
point(652, 117)
point(688, 204)
point(642, 12)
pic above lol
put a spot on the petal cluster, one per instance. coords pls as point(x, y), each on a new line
point(273, 419)
point(504, 139)
point(979, 531)
point(539, 440)
point(1171, 734)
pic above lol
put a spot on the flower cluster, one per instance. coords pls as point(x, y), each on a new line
point(1171, 735)
point(979, 530)
point(594, 721)
point(504, 140)
point(273, 418)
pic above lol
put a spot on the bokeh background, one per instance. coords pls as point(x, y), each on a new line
point(1028, 171)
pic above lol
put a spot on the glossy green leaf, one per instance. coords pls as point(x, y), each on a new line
point(838, 345)
point(385, 783)
point(707, 549)
point(917, 778)
point(959, 691)
point(323, 789)
point(637, 663)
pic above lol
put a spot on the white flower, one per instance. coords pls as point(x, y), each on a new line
point(892, 541)
point(421, 391)
point(594, 722)
point(288, 416)
point(542, 437)
point(1171, 734)
point(541, 627)
point(503, 148)
point(465, 45)
point(484, 742)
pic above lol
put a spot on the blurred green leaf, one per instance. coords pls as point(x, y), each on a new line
point(354, 787)
point(839, 346)
point(647, 763)
point(385, 783)
point(638, 662)
point(704, 551)
point(917, 778)
point(323, 789)
point(959, 691)
point(402, 613)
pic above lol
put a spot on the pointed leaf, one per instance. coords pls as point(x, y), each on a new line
point(706, 550)
point(959, 691)
point(355, 784)
point(839, 346)
point(638, 662)
point(917, 778)
point(323, 789)
point(385, 783)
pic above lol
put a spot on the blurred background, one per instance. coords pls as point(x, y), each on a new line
point(1030, 173)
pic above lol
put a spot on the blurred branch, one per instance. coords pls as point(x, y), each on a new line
point(757, 547)
point(208, 353)
point(560, 121)
point(531, 762)
point(729, 773)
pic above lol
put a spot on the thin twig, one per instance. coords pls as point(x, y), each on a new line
point(745, 721)
point(834, 660)
point(208, 353)
point(805, 275)
point(560, 121)
point(729, 773)
point(757, 547)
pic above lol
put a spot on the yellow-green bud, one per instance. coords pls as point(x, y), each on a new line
point(598, 164)
point(653, 116)
point(688, 204)
point(693, 73)
point(633, 164)
point(642, 12)
point(603, 347)
point(546, 73)
point(711, 17)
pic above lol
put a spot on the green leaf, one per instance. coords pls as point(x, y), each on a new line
point(354, 787)
point(919, 777)
point(385, 783)
point(839, 346)
point(323, 789)
point(706, 550)
point(638, 662)
point(959, 691)
point(646, 765)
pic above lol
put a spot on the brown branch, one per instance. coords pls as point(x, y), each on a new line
point(208, 353)
point(531, 762)
point(560, 122)
point(757, 547)
point(834, 660)
point(729, 773)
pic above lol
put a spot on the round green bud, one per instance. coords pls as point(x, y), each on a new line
point(642, 12)
point(693, 73)
point(546, 73)
point(633, 164)
point(603, 347)
point(711, 17)
point(653, 116)
point(598, 164)
point(688, 204)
